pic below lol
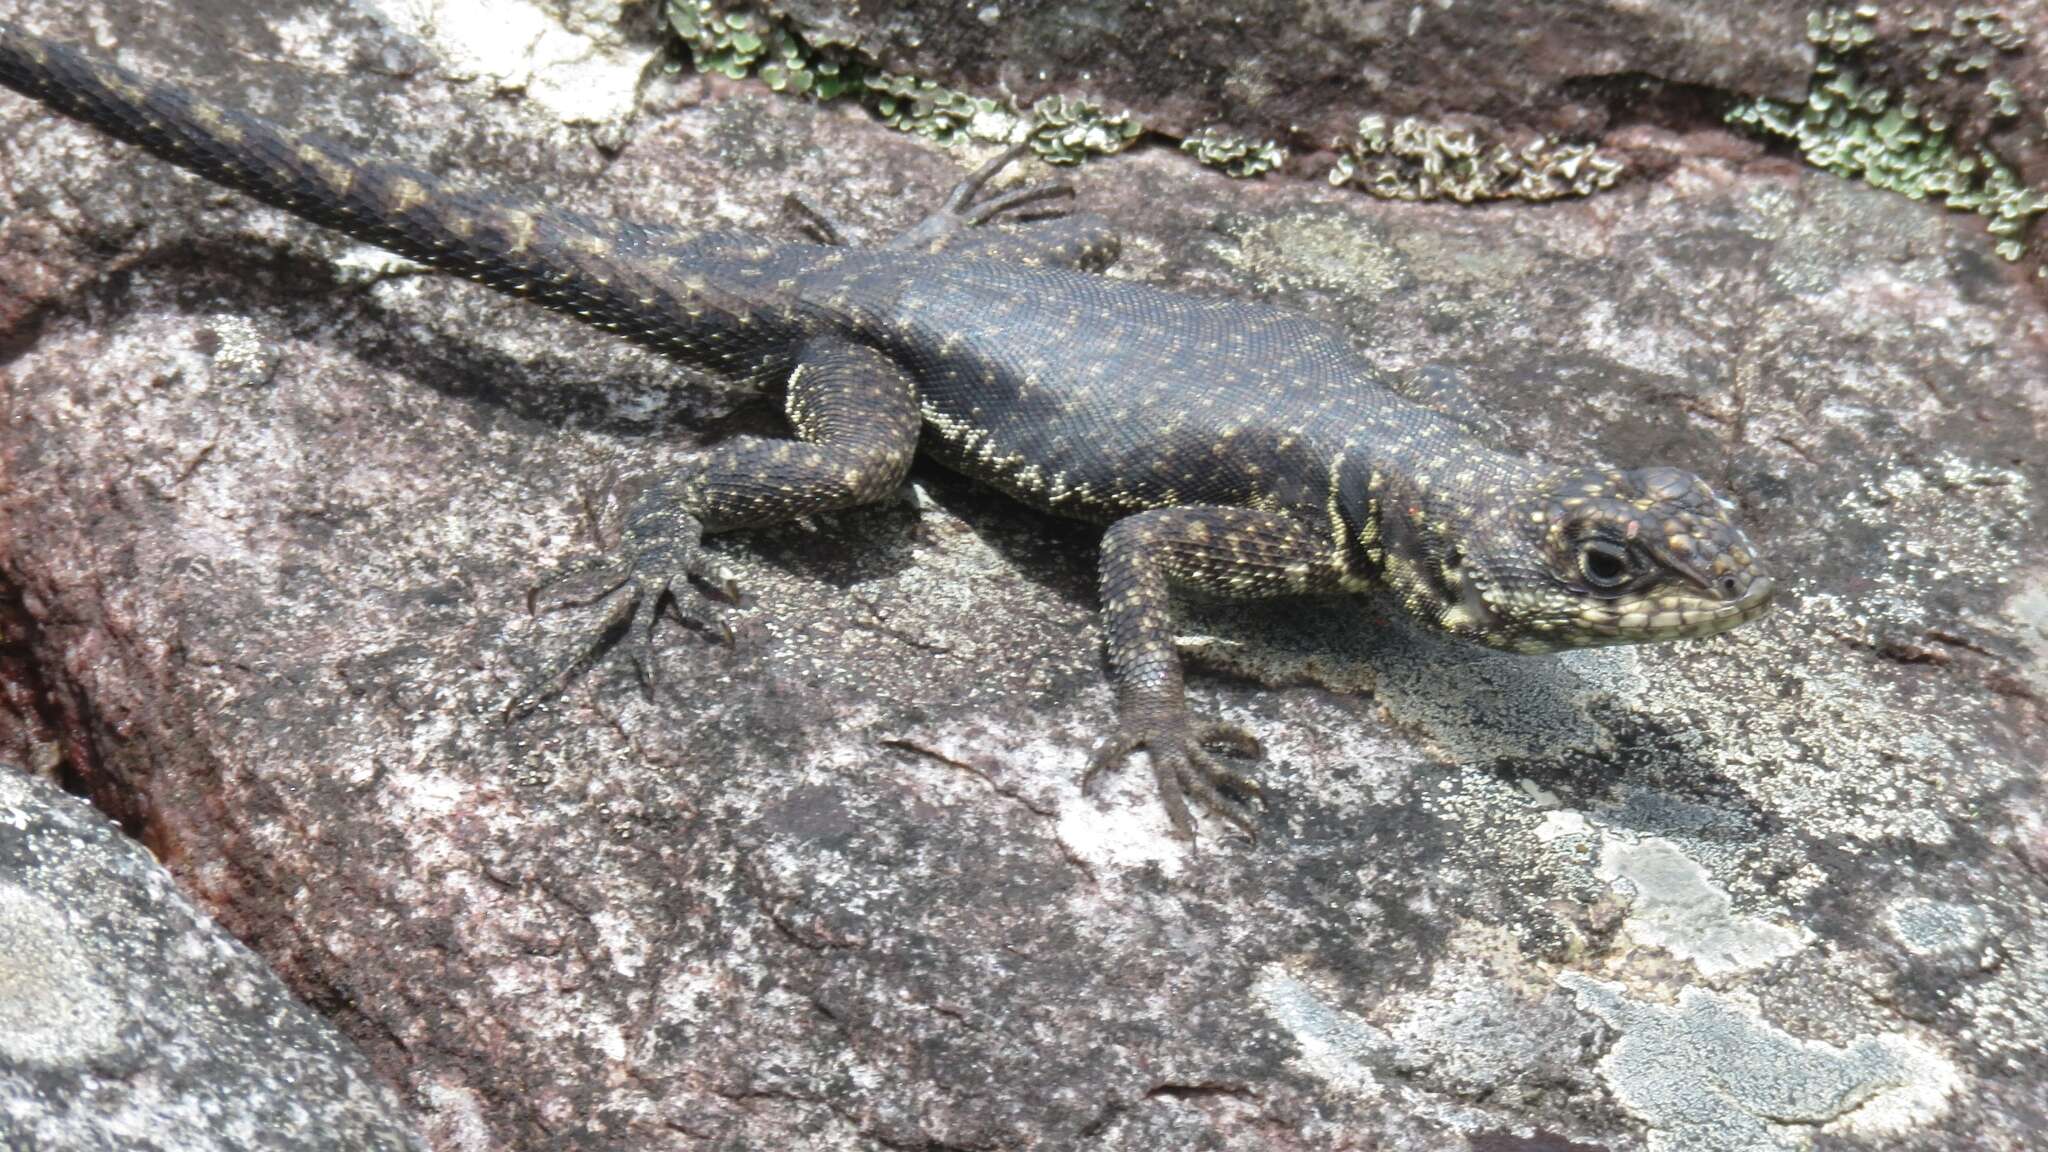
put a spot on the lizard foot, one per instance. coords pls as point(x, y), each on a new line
point(962, 202)
point(660, 552)
point(1183, 767)
point(965, 207)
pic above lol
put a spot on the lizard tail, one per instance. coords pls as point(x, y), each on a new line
point(406, 210)
point(594, 270)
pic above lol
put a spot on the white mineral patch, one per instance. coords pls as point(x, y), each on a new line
point(1477, 1030)
point(1120, 826)
point(2029, 606)
point(519, 46)
point(1937, 928)
point(454, 1116)
point(53, 1012)
point(1562, 823)
point(367, 263)
point(1337, 1047)
point(1675, 905)
point(1709, 1074)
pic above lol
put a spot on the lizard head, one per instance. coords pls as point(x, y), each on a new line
point(1603, 557)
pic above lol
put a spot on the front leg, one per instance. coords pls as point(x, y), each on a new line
point(1234, 552)
point(856, 422)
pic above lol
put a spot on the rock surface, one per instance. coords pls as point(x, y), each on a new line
point(129, 1021)
point(272, 505)
point(1306, 72)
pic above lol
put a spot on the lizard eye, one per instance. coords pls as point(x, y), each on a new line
point(1604, 564)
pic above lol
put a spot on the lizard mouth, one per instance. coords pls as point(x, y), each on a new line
point(1758, 598)
point(1664, 615)
point(1754, 601)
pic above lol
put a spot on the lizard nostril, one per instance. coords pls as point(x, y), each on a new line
point(1729, 587)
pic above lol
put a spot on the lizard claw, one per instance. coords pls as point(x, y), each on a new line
point(660, 551)
point(965, 200)
point(965, 206)
point(1183, 767)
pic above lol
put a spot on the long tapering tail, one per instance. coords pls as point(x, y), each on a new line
point(404, 209)
point(615, 276)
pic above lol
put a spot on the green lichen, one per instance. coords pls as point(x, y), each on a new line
point(1068, 131)
point(922, 107)
point(741, 43)
point(1415, 159)
point(1236, 155)
point(1866, 132)
point(730, 45)
point(1841, 30)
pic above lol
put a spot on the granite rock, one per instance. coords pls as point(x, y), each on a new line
point(128, 1020)
point(1306, 72)
point(273, 502)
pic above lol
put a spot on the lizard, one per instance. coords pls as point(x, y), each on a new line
point(1229, 447)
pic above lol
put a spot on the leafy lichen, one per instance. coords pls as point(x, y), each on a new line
point(1415, 159)
point(1867, 132)
point(1068, 131)
point(1235, 155)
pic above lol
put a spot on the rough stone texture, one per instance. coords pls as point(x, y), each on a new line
point(272, 506)
point(1305, 72)
point(1620, 73)
point(129, 1021)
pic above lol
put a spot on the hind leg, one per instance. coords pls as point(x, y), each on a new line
point(1050, 238)
point(856, 422)
point(1047, 239)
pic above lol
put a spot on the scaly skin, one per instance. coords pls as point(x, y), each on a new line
point(1233, 448)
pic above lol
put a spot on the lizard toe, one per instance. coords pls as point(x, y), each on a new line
point(1232, 738)
point(654, 572)
point(1182, 770)
point(1016, 199)
point(1211, 786)
point(555, 674)
point(1171, 771)
point(1111, 753)
point(584, 580)
point(814, 221)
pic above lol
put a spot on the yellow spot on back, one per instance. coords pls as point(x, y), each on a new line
point(520, 225)
point(338, 176)
point(406, 195)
